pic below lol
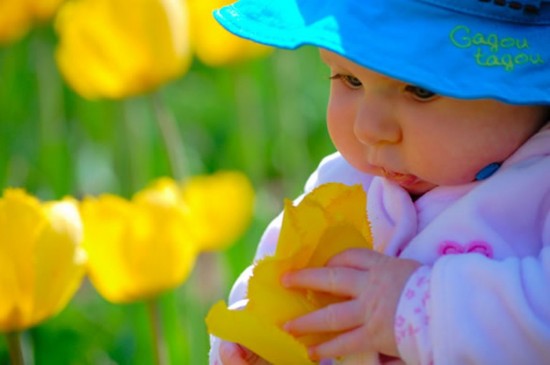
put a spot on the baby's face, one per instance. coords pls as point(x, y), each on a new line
point(417, 138)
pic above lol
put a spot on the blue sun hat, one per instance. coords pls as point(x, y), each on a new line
point(467, 49)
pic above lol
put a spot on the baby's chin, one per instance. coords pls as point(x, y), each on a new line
point(419, 188)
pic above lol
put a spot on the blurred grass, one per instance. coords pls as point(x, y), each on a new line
point(264, 117)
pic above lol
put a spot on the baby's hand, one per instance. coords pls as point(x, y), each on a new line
point(371, 284)
point(234, 354)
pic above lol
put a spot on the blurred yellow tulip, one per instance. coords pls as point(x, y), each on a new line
point(120, 48)
point(214, 45)
point(220, 208)
point(16, 16)
point(41, 260)
point(141, 247)
point(137, 248)
point(329, 220)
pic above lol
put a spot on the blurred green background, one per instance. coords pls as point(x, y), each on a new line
point(264, 117)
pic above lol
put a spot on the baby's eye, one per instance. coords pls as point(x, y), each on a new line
point(420, 93)
point(350, 81)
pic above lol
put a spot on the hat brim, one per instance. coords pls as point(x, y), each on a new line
point(453, 53)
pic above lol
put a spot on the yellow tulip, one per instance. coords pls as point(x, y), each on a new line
point(138, 248)
point(120, 48)
point(220, 208)
point(16, 16)
point(41, 260)
point(214, 45)
point(327, 221)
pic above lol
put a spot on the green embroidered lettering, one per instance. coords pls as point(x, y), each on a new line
point(523, 45)
point(521, 59)
point(514, 43)
point(463, 42)
point(536, 60)
point(506, 61)
point(490, 48)
point(492, 60)
point(492, 40)
point(508, 43)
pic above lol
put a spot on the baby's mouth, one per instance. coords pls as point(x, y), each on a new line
point(400, 178)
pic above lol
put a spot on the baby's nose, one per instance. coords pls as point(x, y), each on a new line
point(376, 122)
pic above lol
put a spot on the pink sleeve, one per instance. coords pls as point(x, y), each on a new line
point(491, 311)
point(471, 309)
point(412, 319)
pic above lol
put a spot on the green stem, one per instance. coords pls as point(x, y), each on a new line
point(156, 333)
point(250, 119)
point(293, 123)
point(175, 329)
point(171, 136)
point(14, 345)
point(132, 175)
point(53, 152)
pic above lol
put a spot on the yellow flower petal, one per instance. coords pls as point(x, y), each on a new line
point(17, 16)
point(14, 20)
point(41, 260)
point(104, 226)
point(214, 45)
point(219, 207)
point(163, 193)
point(327, 221)
point(139, 248)
point(277, 346)
point(61, 268)
point(42, 9)
point(120, 48)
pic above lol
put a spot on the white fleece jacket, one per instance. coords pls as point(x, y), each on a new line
point(483, 296)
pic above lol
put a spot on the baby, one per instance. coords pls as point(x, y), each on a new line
point(440, 110)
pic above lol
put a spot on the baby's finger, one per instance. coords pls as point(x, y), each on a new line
point(231, 354)
point(344, 344)
point(332, 318)
point(341, 345)
point(339, 281)
point(234, 354)
point(357, 258)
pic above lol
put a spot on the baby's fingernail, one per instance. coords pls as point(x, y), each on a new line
point(312, 354)
point(242, 351)
point(285, 280)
